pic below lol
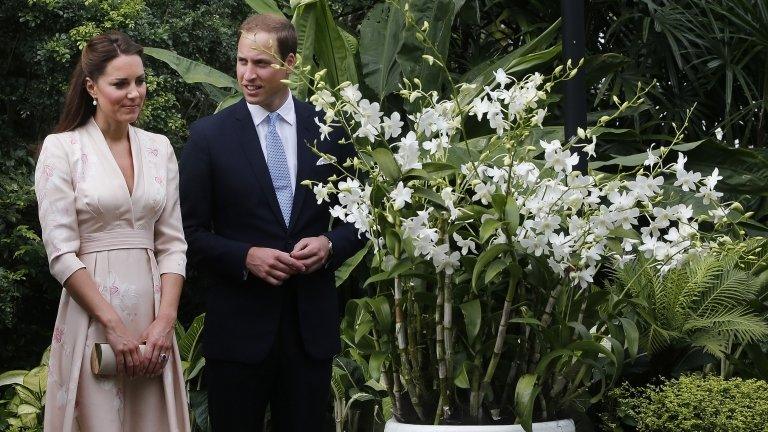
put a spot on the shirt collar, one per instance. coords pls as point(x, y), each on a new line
point(286, 111)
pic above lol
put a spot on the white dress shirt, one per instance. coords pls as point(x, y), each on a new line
point(286, 128)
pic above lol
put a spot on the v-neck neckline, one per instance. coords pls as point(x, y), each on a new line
point(132, 144)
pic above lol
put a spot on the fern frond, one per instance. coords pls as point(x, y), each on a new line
point(658, 338)
point(702, 274)
point(734, 287)
point(740, 323)
point(711, 342)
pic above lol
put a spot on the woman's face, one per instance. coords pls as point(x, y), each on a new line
point(120, 90)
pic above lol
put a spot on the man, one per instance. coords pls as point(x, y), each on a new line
point(271, 326)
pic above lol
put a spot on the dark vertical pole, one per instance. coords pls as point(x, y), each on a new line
point(575, 107)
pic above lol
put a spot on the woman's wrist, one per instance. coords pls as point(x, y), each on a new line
point(167, 317)
point(108, 319)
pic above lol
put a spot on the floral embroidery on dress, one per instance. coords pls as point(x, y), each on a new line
point(61, 396)
point(124, 297)
point(58, 334)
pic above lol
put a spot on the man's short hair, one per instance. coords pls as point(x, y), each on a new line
point(279, 27)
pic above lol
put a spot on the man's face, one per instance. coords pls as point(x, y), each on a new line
point(259, 80)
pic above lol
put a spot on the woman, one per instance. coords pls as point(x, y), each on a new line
point(108, 200)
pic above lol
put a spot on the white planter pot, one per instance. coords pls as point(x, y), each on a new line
point(553, 426)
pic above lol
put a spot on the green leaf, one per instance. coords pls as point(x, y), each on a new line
point(350, 264)
point(381, 36)
point(198, 404)
point(188, 344)
point(386, 161)
point(199, 365)
point(192, 71)
point(744, 171)
point(363, 327)
point(228, 101)
point(639, 158)
point(27, 409)
point(265, 7)
point(12, 377)
point(484, 259)
point(400, 267)
point(472, 316)
point(305, 24)
point(631, 337)
point(494, 269)
point(462, 375)
point(488, 228)
point(512, 214)
point(440, 15)
point(499, 202)
point(329, 46)
point(439, 169)
point(533, 53)
point(392, 239)
point(374, 364)
point(429, 194)
point(526, 391)
point(529, 321)
point(378, 277)
point(382, 312)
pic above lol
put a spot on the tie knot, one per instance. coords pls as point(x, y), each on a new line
point(273, 116)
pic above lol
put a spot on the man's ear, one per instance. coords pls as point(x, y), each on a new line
point(290, 62)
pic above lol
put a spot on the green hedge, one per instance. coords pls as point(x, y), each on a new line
point(690, 404)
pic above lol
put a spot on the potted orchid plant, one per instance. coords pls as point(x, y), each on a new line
point(483, 249)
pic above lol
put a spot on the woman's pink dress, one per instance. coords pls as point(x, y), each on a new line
point(125, 241)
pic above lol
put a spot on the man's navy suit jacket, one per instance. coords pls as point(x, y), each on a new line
point(228, 205)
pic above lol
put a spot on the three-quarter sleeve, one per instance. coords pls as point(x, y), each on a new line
point(170, 245)
point(55, 193)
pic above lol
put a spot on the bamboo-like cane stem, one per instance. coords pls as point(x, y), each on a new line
point(413, 345)
point(508, 384)
point(476, 395)
point(448, 331)
point(400, 331)
point(440, 351)
point(545, 320)
point(500, 336)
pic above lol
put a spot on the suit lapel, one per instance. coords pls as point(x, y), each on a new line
point(248, 139)
point(304, 138)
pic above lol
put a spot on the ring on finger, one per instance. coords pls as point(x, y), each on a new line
point(163, 357)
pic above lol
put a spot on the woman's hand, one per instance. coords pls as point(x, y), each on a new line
point(159, 337)
point(125, 347)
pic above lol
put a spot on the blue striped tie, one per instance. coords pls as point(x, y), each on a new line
point(278, 168)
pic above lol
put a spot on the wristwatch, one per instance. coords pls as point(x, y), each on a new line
point(330, 246)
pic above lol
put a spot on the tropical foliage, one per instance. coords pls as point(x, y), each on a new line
point(704, 304)
point(23, 398)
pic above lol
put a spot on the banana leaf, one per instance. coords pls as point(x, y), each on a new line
point(192, 71)
point(381, 37)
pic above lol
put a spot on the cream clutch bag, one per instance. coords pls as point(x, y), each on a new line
point(103, 362)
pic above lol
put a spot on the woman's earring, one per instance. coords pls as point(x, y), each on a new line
point(94, 102)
